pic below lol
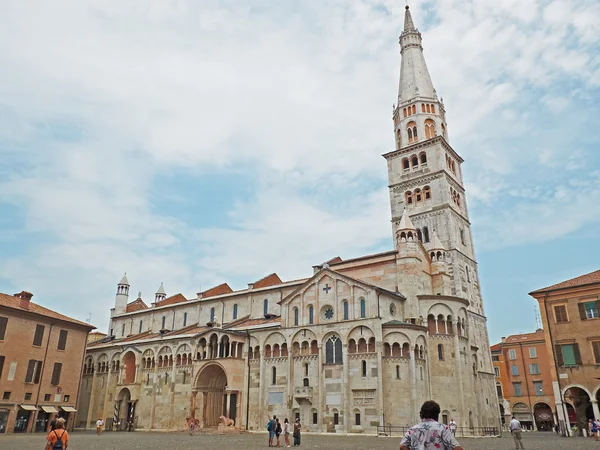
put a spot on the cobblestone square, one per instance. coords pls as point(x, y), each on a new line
point(248, 441)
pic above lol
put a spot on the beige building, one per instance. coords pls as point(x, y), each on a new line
point(571, 315)
point(361, 342)
point(41, 357)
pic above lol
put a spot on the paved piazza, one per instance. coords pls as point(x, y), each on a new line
point(182, 441)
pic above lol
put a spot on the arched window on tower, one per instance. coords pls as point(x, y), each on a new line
point(212, 314)
point(333, 350)
point(425, 234)
point(414, 109)
point(364, 368)
point(405, 164)
point(412, 132)
point(410, 136)
point(163, 323)
point(422, 107)
point(265, 307)
point(274, 375)
point(428, 108)
point(346, 315)
point(235, 311)
point(311, 315)
point(409, 198)
point(418, 196)
point(419, 235)
point(363, 308)
point(429, 129)
point(423, 158)
point(440, 352)
point(404, 112)
point(414, 162)
point(399, 138)
point(427, 192)
point(296, 318)
point(433, 109)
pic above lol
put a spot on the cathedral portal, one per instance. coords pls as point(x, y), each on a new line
point(209, 392)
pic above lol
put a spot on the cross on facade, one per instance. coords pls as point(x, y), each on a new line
point(327, 289)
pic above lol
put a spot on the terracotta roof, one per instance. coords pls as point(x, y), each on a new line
point(496, 347)
point(583, 280)
point(177, 298)
point(192, 329)
point(12, 302)
point(136, 305)
point(217, 290)
point(525, 337)
point(269, 280)
point(254, 322)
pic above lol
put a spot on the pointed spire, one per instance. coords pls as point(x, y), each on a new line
point(405, 222)
point(408, 22)
point(436, 244)
point(161, 290)
point(124, 281)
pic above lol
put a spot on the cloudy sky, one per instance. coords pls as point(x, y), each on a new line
point(196, 142)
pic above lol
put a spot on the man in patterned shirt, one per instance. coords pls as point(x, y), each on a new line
point(429, 434)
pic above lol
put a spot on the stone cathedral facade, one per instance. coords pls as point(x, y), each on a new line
point(361, 342)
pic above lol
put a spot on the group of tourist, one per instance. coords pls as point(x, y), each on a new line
point(58, 438)
point(275, 430)
point(594, 429)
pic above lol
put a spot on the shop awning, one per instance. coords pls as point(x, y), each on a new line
point(68, 408)
point(49, 409)
point(28, 407)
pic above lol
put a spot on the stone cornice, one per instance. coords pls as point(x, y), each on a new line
point(417, 181)
point(448, 298)
point(411, 326)
point(420, 145)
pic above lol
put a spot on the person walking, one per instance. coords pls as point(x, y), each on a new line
point(452, 427)
point(58, 439)
point(277, 431)
point(297, 433)
point(595, 430)
point(429, 434)
point(99, 425)
point(516, 431)
point(286, 432)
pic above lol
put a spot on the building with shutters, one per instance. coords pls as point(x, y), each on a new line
point(570, 313)
point(524, 381)
point(41, 357)
point(357, 344)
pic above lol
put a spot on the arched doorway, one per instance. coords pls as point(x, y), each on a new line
point(211, 383)
point(124, 411)
point(130, 369)
point(523, 414)
point(544, 419)
point(502, 418)
point(579, 399)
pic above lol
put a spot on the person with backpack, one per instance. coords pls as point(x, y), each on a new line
point(271, 425)
point(58, 439)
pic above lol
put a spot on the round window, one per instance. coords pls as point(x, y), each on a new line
point(329, 313)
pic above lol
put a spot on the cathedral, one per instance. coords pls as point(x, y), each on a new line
point(362, 342)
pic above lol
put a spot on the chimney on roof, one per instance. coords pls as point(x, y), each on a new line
point(503, 339)
point(25, 298)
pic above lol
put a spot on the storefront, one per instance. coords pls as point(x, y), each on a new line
point(45, 416)
point(23, 416)
point(522, 413)
point(544, 418)
point(4, 414)
point(66, 412)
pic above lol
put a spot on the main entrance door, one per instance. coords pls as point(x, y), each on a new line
point(211, 384)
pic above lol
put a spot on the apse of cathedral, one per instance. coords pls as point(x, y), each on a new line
point(362, 342)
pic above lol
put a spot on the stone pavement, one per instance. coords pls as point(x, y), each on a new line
point(183, 441)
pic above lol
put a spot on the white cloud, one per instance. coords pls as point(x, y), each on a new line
point(299, 92)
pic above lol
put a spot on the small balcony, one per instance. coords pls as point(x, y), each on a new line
point(303, 393)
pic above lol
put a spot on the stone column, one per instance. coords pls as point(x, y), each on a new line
point(596, 410)
point(321, 393)
point(231, 347)
point(346, 385)
point(227, 401)
point(379, 353)
point(91, 405)
point(261, 386)
point(461, 391)
point(413, 386)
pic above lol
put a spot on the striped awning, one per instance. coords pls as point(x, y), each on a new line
point(49, 409)
point(28, 407)
point(68, 408)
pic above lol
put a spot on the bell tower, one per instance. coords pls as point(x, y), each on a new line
point(424, 171)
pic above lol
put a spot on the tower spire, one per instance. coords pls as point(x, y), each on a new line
point(415, 81)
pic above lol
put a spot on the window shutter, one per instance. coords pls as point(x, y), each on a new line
point(577, 354)
point(1, 365)
point(62, 339)
point(559, 355)
point(582, 314)
point(56, 374)
point(38, 371)
point(30, 368)
point(39, 335)
point(3, 323)
point(595, 346)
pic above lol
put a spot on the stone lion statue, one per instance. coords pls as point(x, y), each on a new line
point(226, 421)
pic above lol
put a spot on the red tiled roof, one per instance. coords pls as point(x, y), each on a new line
point(192, 329)
point(217, 290)
point(525, 337)
point(254, 322)
point(496, 347)
point(177, 298)
point(269, 280)
point(136, 305)
point(583, 280)
point(12, 302)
